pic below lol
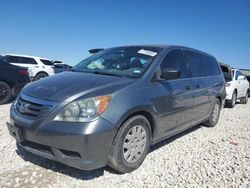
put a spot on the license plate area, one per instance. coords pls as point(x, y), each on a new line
point(15, 132)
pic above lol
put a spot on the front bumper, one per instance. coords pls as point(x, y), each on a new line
point(80, 145)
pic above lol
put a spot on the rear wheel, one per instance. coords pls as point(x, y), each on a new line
point(5, 92)
point(130, 145)
point(215, 115)
point(40, 76)
point(232, 102)
point(245, 99)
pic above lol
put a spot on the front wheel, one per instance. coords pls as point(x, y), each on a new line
point(130, 145)
point(215, 115)
point(40, 76)
point(245, 99)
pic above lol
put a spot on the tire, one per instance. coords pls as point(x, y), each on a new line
point(232, 102)
point(5, 92)
point(121, 157)
point(215, 114)
point(245, 99)
point(40, 76)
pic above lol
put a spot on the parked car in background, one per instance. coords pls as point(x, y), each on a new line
point(12, 80)
point(113, 105)
point(237, 86)
point(61, 67)
point(38, 67)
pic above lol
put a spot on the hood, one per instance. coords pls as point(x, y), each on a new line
point(67, 84)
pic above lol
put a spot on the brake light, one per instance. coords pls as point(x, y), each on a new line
point(24, 72)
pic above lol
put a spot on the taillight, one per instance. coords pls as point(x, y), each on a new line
point(25, 72)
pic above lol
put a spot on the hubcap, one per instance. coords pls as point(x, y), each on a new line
point(134, 144)
point(216, 112)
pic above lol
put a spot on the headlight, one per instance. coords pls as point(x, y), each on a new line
point(84, 110)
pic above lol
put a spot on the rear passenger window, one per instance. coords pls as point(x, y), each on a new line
point(175, 59)
point(46, 62)
point(27, 60)
point(12, 59)
point(212, 66)
point(196, 64)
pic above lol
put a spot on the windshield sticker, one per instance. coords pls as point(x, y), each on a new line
point(147, 52)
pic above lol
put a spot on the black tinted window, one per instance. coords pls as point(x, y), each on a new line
point(196, 64)
point(27, 60)
point(46, 62)
point(58, 66)
point(248, 78)
point(212, 66)
point(12, 59)
point(174, 59)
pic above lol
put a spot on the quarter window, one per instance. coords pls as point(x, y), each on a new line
point(174, 59)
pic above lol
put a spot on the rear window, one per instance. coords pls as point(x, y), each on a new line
point(46, 62)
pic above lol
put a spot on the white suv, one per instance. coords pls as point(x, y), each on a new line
point(38, 67)
point(237, 86)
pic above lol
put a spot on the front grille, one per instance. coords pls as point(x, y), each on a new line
point(32, 108)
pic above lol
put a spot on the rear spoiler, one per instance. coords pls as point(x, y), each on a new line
point(93, 51)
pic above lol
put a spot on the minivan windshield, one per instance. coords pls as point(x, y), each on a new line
point(120, 61)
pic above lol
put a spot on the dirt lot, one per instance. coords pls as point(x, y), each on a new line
point(200, 157)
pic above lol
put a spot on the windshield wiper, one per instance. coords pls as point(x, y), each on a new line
point(78, 70)
point(107, 73)
point(97, 72)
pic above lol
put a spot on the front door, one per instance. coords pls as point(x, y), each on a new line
point(175, 97)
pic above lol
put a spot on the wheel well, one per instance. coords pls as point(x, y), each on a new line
point(235, 90)
point(42, 72)
point(149, 118)
point(218, 97)
point(7, 82)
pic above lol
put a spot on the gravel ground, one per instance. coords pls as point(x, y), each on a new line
point(200, 157)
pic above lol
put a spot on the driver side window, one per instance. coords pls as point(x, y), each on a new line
point(175, 60)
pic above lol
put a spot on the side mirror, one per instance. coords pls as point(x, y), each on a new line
point(241, 77)
point(170, 74)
